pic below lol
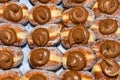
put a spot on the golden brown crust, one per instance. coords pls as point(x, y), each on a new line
point(65, 34)
point(84, 75)
point(100, 14)
point(13, 73)
point(86, 3)
point(96, 49)
point(56, 14)
point(21, 33)
point(66, 18)
point(15, 52)
point(54, 34)
point(48, 74)
point(88, 53)
point(55, 59)
point(95, 28)
point(24, 19)
point(35, 2)
point(99, 75)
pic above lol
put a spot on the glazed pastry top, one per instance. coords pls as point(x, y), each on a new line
point(79, 35)
point(40, 36)
point(78, 1)
point(108, 50)
point(42, 14)
point(13, 12)
point(39, 57)
point(37, 77)
point(78, 14)
point(44, 1)
point(6, 60)
point(8, 36)
point(76, 60)
point(71, 75)
point(108, 6)
point(108, 26)
point(110, 67)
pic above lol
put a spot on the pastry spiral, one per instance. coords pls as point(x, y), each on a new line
point(45, 14)
point(12, 34)
point(77, 35)
point(45, 58)
point(14, 12)
point(78, 58)
point(45, 35)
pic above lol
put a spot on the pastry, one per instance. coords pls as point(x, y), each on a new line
point(45, 1)
point(12, 34)
point(45, 35)
point(12, 74)
point(107, 48)
point(78, 58)
point(39, 75)
point(71, 3)
point(107, 69)
point(78, 15)
point(4, 1)
point(45, 58)
point(76, 75)
point(106, 27)
point(78, 35)
point(13, 12)
point(104, 8)
point(10, 57)
point(45, 13)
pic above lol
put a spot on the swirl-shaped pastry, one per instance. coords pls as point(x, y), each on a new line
point(8, 36)
point(107, 69)
point(110, 67)
point(107, 48)
point(39, 75)
point(73, 3)
point(12, 74)
point(108, 6)
point(45, 58)
point(45, 35)
point(6, 60)
point(106, 27)
point(10, 57)
point(104, 8)
point(42, 14)
point(45, 13)
point(36, 2)
point(110, 48)
point(76, 75)
point(39, 57)
point(12, 34)
point(40, 37)
point(14, 12)
point(78, 58)
point(78, 35)
point(78, 15)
